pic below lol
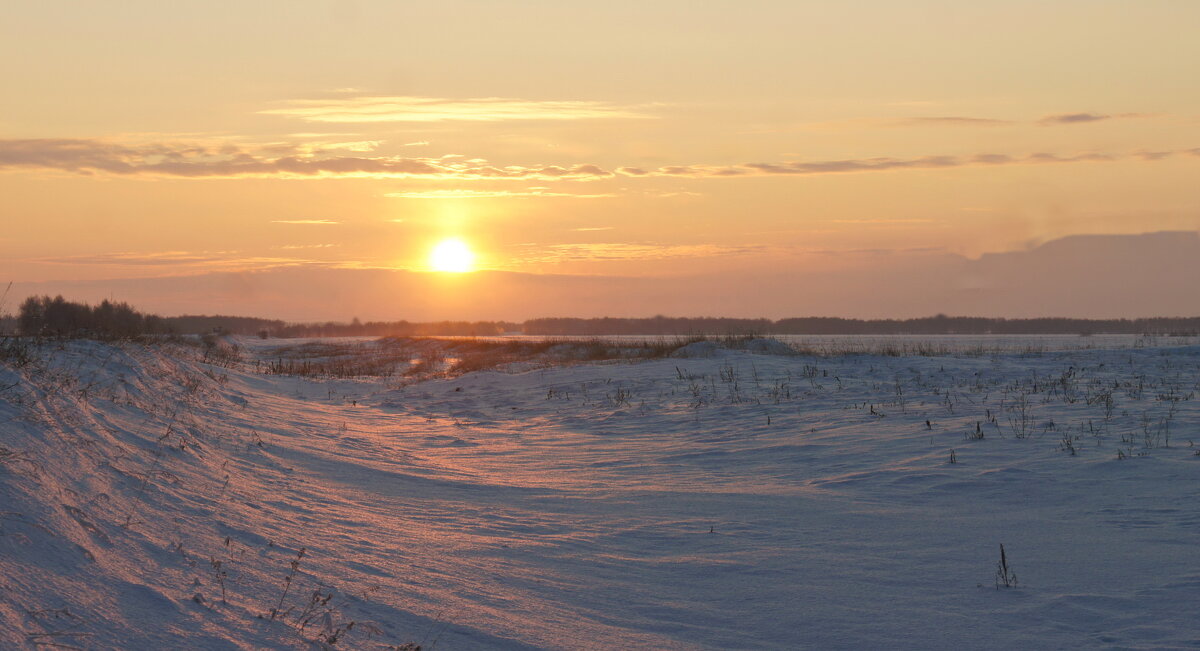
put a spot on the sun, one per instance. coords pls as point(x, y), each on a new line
point(452, 255)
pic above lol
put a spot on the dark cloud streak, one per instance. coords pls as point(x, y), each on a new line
point(83, 156)
point(811, 168)
point(1073, 118)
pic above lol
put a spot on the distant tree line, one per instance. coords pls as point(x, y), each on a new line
point(947, 325)
point(275, 328)
point(57, 317)
point(935, 325)
point(658, 325)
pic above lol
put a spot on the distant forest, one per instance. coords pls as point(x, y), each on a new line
point(275, 328)
point(58, 317)
point(934, 325)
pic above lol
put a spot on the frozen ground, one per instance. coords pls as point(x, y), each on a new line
point(718, 499)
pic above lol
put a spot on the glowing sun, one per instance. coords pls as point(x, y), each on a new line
point(452, 255)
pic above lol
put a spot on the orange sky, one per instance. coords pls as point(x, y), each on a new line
point(655, 141)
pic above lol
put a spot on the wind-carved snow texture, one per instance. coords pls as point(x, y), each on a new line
point(720, 499)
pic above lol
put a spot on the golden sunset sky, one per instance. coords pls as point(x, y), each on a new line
point(804, 142)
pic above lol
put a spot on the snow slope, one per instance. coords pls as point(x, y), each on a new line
point(718, 499)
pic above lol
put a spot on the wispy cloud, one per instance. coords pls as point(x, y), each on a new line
point(490, 194)
point(873, 252)
point(883, 221)
point(1084, 118)
point(435, 109)
point(281, 160)
point(1048, 120)
point(586, 229)
point(675, 193)
point(177, 260)
point(610, 251)
point(1072, 118)
point(275, 160)
point(309, 222)
point(162, 258)
point(952, 121)
point(883, 164)
point(356, 146)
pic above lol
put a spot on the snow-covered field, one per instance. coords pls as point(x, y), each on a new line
point(715, 499)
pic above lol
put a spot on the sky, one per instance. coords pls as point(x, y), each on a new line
point(869, 158)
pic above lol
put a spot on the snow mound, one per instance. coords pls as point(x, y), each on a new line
point(763, 346)
point(697, 349)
